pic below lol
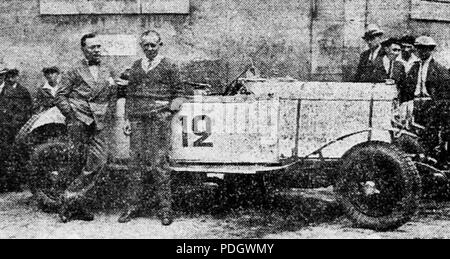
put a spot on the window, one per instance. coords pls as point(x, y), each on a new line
point(70, 7)
point(437, 10)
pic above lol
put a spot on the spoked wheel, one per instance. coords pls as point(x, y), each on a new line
point(378, 186)
point(51, 164)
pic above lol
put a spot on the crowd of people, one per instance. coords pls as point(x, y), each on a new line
point(409, 63)
point(87, 93)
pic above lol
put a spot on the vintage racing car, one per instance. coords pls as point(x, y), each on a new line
point(279, 126)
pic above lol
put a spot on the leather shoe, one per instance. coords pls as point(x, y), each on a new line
point(66, 215)
point(84, 216)
point(166, 218)
point(128, 215)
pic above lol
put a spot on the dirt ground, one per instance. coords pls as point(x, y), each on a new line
point(299, 214)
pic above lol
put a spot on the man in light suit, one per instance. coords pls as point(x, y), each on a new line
point(86, 96)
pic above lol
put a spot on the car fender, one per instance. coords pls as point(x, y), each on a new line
point(51, 116)
point(338, 147)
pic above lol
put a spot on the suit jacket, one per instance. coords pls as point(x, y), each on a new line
point(159, 84)
point(44, 100)
point(437, 83)
point(81, 97)
point(15, 110)
point(379, 74)
point(365, 66)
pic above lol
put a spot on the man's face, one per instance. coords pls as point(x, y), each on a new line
point(393, 51)
point(52, 78)
point(12, 80)
point(424, 52)
point(373, 42)
point(407, 50)
point(150, 45)
point(92, 50)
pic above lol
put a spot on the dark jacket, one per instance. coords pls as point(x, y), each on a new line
point(15, 110)
point(365, 66)
point(81, 97)
point(380, 75)
point(437, 84)
point(160, 84)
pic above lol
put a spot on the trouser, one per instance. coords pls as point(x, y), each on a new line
point(150, 147)
point(435, 117)
point(8, 176)
point(89, 144)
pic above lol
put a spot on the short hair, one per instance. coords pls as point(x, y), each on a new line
point(12, 73)
point(87, 36)
point(51, 70)
point(148, 32)
point(408, 39)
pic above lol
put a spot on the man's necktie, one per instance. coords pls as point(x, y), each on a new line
point(391, 69)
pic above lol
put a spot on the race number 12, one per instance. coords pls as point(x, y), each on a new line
point(203, 132)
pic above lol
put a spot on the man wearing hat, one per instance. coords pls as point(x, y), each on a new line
point(45, 98)
point(366, 63)
point(428, 84)
point(387, 67)
point(15, 110)
point(427, 79)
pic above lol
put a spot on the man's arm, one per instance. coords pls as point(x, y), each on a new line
point(359, 70)
point(63, 93)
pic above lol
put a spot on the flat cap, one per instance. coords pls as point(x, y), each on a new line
point(372, 30)
point(51, 70)
point(425, 41)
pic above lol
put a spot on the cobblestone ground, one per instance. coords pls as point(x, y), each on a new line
point(299, 214)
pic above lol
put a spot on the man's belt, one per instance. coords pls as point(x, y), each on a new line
point(422, 98)
point(162, 102)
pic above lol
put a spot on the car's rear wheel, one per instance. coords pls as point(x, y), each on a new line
point(51, 165)
point(378, 186)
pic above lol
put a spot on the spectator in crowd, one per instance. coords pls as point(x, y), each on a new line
point(428, 84)
point(365, 68)
point(15, 110)
point(387, 67)
point(408, 58)
point(45, 98)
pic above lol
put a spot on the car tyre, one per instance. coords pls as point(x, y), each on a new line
point(50, 163)
point(378, 186)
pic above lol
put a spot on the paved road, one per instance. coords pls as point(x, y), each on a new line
point(301, 214)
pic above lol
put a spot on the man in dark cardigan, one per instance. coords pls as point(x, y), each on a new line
point(153, 85)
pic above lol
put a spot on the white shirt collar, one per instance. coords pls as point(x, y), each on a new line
point(53, 90)
point(408, 63)
point(147, 66)
point(386, 63)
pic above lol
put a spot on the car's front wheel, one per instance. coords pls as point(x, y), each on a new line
point(51, 164)
point(378, 186)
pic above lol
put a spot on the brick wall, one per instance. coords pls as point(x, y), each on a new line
point(283, 37)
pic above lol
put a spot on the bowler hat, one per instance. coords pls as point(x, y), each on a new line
point(372, 31)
